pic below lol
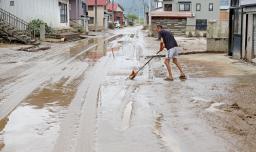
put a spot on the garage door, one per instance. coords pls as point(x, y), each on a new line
point(254, 35)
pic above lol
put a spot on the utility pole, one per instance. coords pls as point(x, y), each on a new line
point(113, 14)
point(96, 15)
point(149, 15)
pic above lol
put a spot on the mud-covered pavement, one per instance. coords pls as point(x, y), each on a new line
point(76, 98)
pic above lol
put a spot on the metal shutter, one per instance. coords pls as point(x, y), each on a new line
point(254, 35)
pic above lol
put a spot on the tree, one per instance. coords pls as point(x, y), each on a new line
point(132, 17)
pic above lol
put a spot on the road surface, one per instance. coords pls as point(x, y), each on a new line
point(76, 97)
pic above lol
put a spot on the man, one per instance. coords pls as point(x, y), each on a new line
point(169, 42)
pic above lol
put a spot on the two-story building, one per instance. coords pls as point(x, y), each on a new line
point(118, 11)
point(56, 13)
point(194, 15)
point(242, 37)
point(101, 11)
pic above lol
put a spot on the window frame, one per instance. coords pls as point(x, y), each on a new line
point(184, 7)
point(90, 8)
point(91, 20)
point(12, 3)
point(202, 26)
point(210, 8)
point(170, 6)
point(63, 13)
point(198, 4)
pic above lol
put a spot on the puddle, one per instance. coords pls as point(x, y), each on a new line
point(37, 119)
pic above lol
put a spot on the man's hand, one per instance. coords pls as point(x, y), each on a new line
point(161, 46)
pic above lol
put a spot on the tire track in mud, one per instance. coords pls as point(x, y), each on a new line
point(78, 128)
point(37, 76)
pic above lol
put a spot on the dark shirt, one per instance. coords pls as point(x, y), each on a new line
point(168, 38)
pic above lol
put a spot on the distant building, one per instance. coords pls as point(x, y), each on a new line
point(184, 16)
point(101, 11)
point(242, 37)
point(118, 12)
point(54, 12)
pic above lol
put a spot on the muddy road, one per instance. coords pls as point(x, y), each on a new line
point(76, 98)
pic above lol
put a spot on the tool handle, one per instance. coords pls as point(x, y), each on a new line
point(147, 62)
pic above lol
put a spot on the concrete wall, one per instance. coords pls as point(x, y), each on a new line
point(100, 17)
point(46, 10)
point(176, 26)
point(217, 44)
point(76, 9)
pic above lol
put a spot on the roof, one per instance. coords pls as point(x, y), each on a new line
point(161, 13)
point(114, 6)
point(99, 2)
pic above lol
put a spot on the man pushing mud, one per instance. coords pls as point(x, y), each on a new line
point(168, 41)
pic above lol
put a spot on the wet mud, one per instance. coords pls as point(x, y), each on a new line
point(78, 98)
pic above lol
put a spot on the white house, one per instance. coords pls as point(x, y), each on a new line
point(54, 12)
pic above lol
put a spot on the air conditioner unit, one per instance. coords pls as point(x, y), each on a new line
point(193, 14)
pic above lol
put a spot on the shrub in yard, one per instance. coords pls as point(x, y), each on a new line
point(34, 26)
point(190, 34)
point(111, 25)
point(80, 29)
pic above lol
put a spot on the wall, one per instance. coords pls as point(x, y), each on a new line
point(217, 45)
point(203, 14)
point(100, 16)
point(76, 9)
point(248, 42)
point(46, 10)
point(176, 26)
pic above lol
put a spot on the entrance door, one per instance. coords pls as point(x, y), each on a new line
point(254, 35)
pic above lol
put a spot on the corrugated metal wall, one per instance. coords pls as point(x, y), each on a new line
point(254, 37)
point(46, 10)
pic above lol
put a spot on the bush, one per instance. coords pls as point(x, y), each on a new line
point(190, 34)
point(205, 35)
point(34, 26)
point(111, 25)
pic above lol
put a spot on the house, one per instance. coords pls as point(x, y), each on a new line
point(118, 12)
point(78, 10)
point(242, 37)
point(101, 11)
point(217, 32)
point(186, 16)
point(54, 12)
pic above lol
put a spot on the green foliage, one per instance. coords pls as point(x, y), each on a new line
point(111, 25)
point(34, 26)
point(132, 17)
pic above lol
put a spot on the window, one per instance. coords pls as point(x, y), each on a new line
point(91, 20)
point(168, 7)
point(234, 3)
point(11, 3)
point(201, 24)
point(184, 6)
point(63, 13)
point(211, 7)
point(198, 7)
point(84, 8)
point(90, 8)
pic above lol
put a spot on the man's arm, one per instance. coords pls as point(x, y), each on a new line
point(162, 46)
